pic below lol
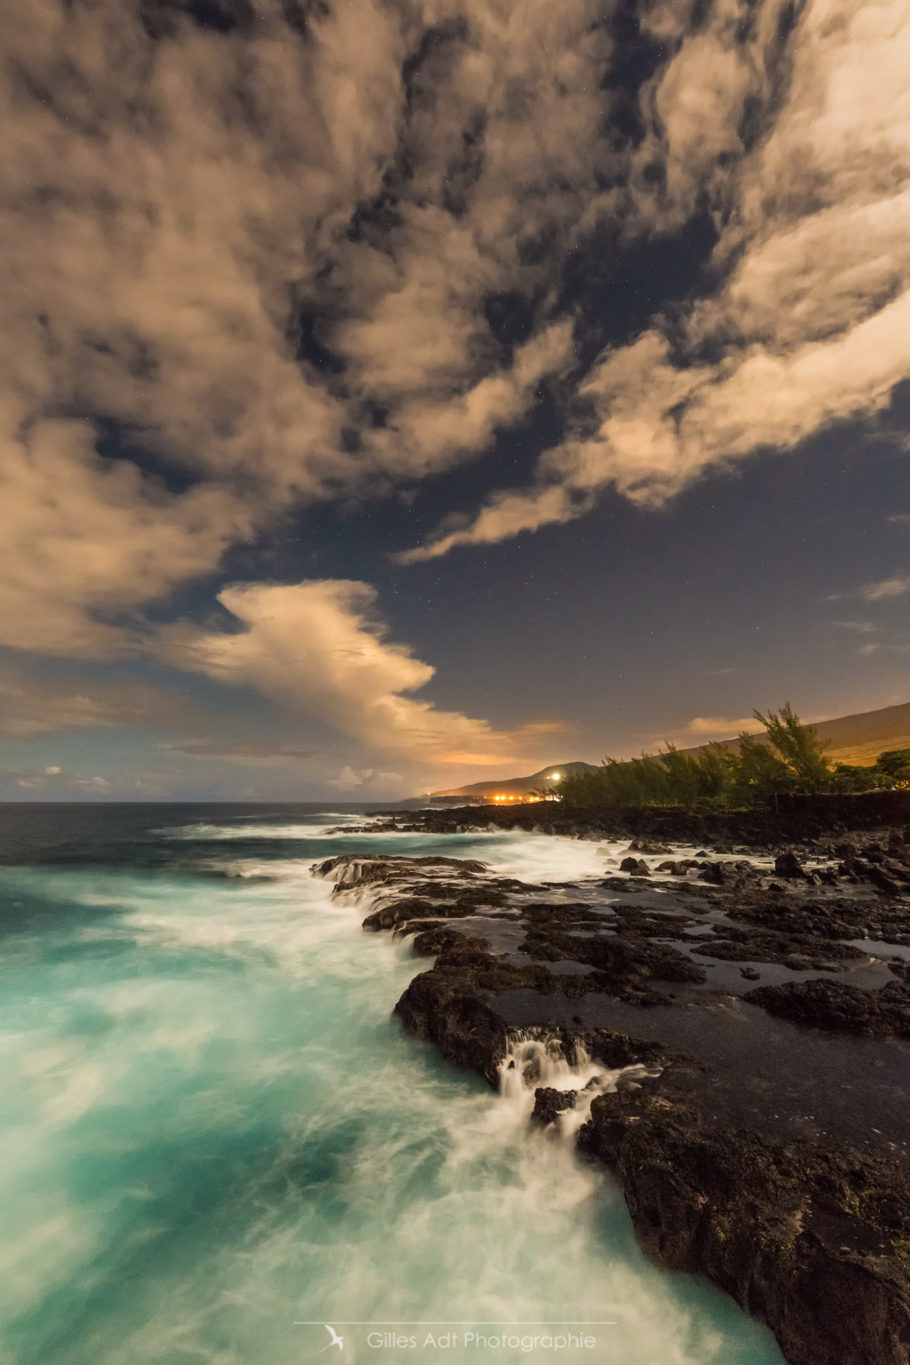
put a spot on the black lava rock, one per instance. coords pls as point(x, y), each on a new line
point(549, 1102)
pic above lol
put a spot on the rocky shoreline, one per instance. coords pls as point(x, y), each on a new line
point(795, 819)
point(763, 993)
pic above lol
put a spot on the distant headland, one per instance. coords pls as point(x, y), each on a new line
point(856, 739)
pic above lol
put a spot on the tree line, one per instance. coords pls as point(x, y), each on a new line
point(789, 759)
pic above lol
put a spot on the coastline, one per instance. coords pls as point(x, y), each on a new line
point(797, 819)
point(189, 1014)
point(765, 1147)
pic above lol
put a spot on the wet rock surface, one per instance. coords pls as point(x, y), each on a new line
point(548, 1103)
point(835, 1005)
point(767, 1145)
point(812, 1240)
point(796, 819)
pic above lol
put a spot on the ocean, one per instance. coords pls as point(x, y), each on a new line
point(218, 1144)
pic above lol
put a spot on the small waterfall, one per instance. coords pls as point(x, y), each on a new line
point(535, 1059)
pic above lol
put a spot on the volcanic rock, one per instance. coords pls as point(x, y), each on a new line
point(548, 1103)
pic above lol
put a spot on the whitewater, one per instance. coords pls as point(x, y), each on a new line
point(218, 1143)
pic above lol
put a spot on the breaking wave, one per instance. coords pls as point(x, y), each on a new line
point(214, 1131)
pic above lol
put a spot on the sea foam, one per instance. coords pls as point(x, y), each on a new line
point(214, 1131)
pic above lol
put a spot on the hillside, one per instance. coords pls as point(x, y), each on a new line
point(516, 786)
point(859, 738)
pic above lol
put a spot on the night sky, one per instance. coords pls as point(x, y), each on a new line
point(400, 394)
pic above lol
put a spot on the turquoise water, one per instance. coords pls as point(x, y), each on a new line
point(213, 1131)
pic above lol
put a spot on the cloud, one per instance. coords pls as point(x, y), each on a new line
point(241, 751)
point(704, 729)
point(877, 646)
point(807, 320)
point(76, 783)
point(86, 537)
point(885, 589)
point(226, 252)
point(34, 702)
point(438, 431)
point(858, 627)
point(251, 268)
point(720, 726)
point(318, 650)
point(505, 516)
point(881, 591)
point(366, 780)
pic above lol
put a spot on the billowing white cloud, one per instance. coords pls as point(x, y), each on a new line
point(812, 323)
point(318, 650)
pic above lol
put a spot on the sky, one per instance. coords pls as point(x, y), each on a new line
point(400, 394)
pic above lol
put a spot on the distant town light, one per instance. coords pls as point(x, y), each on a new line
point(554, 777)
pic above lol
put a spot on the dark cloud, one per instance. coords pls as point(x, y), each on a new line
point(240, 750)
point(35, 701)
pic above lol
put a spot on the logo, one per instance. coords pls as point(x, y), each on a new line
point(469, 1336)
point(336, 1340)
